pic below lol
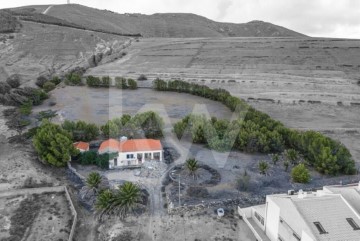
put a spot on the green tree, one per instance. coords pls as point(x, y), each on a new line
point(106, 81)
point(110, 129)
point(263, 167)
point(132, 84)
point(121, 83)
point(53, 144)
point(125, 201)
point(292, 156)
point(192, 166)
point(300, 174)
point(92, 81)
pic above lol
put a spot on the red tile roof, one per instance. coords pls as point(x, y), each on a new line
point(109, 144)
point(81, 145)
point(140, 145)
point(131, 145)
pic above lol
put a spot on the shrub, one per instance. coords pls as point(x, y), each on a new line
point(300, 174)
point(263, 167)
point(13, 81)
point(88, 158)
point(80, 130)
point(142, 77)
point(73, 79)
point(40, 81)
point(243, 181)
point(106, 81)
point(132, 84)
point(92, 81)
point(121, 83)
point(56, 80)
point(49, 86)
point(4, 88)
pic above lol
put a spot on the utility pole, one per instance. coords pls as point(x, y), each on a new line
point(179, 191)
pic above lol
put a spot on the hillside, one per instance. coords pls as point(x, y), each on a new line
point(162, 24)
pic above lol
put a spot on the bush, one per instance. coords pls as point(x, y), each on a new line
point(92, 81)
point(56, 80)
point(142, 77)
point(49, 86)
point(80, 130)
point(106, 81)
point(121, 83)
point(88, 158)
point(300, 174)
point(40, 81)
point(132, 84)
point(13, 81)
point(4, 88)
point(73, 79)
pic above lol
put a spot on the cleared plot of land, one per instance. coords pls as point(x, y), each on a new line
point(100, 105)
point(35, 217)
point(204, 226)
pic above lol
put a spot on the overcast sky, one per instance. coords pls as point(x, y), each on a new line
point(323, 18)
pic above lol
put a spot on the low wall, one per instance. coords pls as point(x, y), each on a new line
point(30, 191)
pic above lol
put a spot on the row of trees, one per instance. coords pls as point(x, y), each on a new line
point(255, 131)
point(81, 131)
point(106, 81)
point(147, 124)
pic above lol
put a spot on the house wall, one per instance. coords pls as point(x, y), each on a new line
point(123, 160)
point(272, 220)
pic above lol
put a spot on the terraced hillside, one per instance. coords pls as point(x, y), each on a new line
point(164, 25)
point(47, 49)
point(305, 83)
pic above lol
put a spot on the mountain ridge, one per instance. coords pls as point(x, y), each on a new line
point(159, 24)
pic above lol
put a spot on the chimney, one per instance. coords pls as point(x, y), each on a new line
point(123, 138)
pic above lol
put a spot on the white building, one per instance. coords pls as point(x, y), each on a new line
point(132, 152)
point(328, 214)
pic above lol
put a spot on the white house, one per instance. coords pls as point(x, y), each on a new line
point(316, 216)
point(132, 152)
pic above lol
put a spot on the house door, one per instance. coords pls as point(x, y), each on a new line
point(115, 162)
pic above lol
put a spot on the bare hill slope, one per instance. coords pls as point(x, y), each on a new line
point(164, 24)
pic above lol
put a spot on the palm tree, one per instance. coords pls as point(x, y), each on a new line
point(263, 167)
point(192, 165)
point(126, 200)
point(93, 181)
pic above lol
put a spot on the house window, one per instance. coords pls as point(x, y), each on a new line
point(353, 224)
point(320, 228)
point(258, 217)
point(130, 156)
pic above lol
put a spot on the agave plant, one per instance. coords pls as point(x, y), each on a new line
point(263, 167)
point(123, 202)
point(93, 180)
point(192, 166)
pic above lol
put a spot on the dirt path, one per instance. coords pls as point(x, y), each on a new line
point(47, 10)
